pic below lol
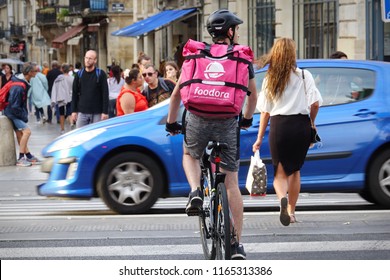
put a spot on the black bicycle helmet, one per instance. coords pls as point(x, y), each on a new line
point(220, 21)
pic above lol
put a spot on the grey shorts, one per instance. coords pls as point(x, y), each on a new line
point(199, 131)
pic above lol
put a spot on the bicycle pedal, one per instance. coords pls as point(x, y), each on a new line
point(193, 212)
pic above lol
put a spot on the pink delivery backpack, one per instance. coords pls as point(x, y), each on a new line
point(214, 78)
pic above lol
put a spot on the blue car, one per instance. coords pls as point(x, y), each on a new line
point(130, 162)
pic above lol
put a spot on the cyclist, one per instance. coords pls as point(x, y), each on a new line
point(222, 25)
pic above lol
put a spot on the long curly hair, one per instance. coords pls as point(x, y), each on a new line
point(281, 62)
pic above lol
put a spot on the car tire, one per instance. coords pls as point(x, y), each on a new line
point(365, 194)
point(379, 179)
point(130, 183)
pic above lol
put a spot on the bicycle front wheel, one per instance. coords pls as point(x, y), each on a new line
point(223, 250)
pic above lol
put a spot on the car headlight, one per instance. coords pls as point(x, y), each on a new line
point(74, 140)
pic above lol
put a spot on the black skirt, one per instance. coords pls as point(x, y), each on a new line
point(289, 140)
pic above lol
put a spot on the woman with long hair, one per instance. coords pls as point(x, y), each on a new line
point(290, 100)
point(115, 84)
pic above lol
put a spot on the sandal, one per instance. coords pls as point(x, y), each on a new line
point(284, 216)
point(292, 218)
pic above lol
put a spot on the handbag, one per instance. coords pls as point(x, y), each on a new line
point(314, 137)
point(256, 181)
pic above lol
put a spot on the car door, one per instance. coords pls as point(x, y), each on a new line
point(346, 123)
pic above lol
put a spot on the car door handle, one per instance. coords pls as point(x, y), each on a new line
point(256, 125)
point(364, 113)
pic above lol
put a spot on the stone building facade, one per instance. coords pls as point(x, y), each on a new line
point(45, 30)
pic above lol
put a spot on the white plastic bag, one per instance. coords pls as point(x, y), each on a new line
point(256, 180)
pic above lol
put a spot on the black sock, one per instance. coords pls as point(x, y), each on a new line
point(21, 155)
point(28, 155)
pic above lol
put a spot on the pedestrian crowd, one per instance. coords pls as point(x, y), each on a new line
point(75, 96)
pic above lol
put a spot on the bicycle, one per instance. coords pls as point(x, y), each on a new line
point(215, 218)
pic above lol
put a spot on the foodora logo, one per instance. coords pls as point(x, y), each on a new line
point(213, 93)
point(214, 70)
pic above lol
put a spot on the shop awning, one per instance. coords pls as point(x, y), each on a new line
point(59, 41)
point(75, 41)
point(153, 23)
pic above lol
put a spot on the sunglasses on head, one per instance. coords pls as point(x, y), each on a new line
point(149, 74)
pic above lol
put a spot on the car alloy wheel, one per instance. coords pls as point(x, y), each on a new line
point(379, 179)
point(130, 183)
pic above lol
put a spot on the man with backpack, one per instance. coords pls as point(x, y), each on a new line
point(90, 93)
point(215, 82)
point(16, 111)
point(158, 89)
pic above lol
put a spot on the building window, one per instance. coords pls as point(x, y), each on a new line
point(261, 25)
point(315, 27)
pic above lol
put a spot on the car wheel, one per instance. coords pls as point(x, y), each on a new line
point(365, 194)
point(130, 183)
point(379, 179)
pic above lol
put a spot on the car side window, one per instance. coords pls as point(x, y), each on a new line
point(343, 85)
point(338, 85)
point(259, 82)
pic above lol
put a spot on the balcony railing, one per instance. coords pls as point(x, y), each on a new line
point(46, 16)
point(16, 30)
point(93, 6)
point(52, 15)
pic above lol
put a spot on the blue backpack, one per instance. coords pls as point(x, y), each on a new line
point(97, 70)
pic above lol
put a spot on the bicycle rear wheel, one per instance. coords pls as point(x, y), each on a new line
point(223, 250)
point(206, 219)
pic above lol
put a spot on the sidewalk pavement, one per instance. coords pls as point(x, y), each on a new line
point(41, 135)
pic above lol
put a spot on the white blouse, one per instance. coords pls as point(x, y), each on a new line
point(114, 88)
point(294, 100)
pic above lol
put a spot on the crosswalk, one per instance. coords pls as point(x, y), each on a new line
point(67, 229)
point(44, 206)
point(36, 205)
point(161, 250)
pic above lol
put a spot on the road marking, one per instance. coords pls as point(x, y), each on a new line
point(10, 213)
point(164, 250)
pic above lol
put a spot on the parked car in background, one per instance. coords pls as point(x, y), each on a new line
point(130, 161)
